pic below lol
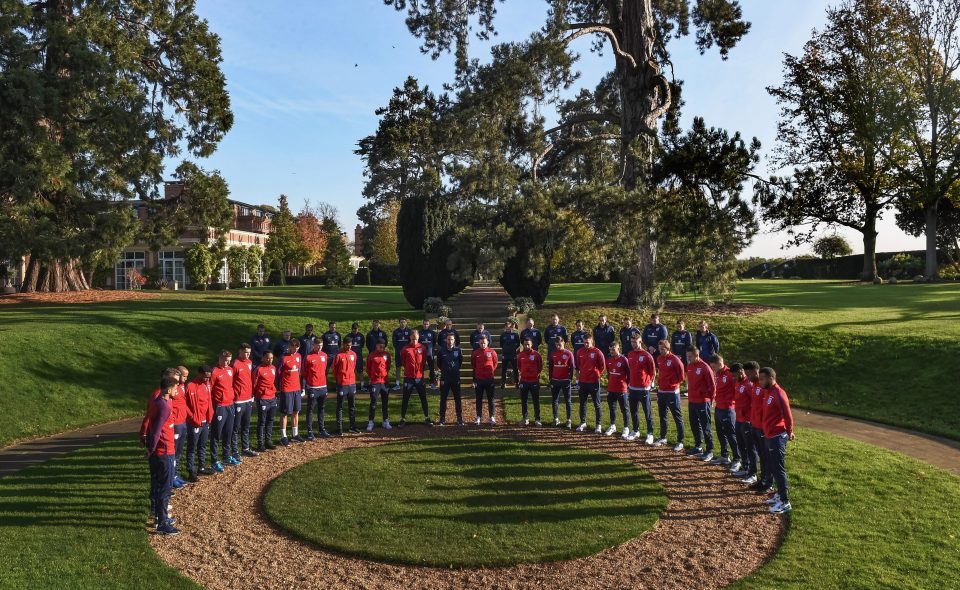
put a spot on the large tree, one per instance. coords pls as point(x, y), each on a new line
point(284, 246)
point(94, 95)
point(838, 128)
point(638, 33)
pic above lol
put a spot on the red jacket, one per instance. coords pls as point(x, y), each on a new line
point(199, 404)
point(345, 368)
point(160, 438)
point(742, 400)
point(221, 384)
point(145, 424)
point(642, 369)
point(178, 408)
point(413, 358)
point(378, 366)
point(726, 389)
point(484, 361)
point(618, 372)
point(756, 405)
point(590, 364)
point(562, 363)
point(242, 380)
point(530, 363)
point(701, 384)
point(315, 368)
point(671, 372)
point(777, 417)
point(265, 382)
point(290, 373)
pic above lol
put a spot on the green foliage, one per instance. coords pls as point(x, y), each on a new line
point(236, 264)
point(203, 202)
point(901, 266)
point(424, 246)
point(832, 246)
point(363, 276)
point(254, 259)
point(152, 275)
point(199, 264)
point(336, 257)
point(284, 246)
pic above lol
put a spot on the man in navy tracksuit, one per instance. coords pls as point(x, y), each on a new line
point(447, 329)
point(552, 332)
point(260, 343)
point(707, 341)
point(375, 335)
point(579, 337)
point(449, 361)
point(532, 333)
point(653, 333)
point(428, 338)
point(307, 341)
point(603, 336)
point(476, 335)
point(356, 340)
point(509, 344)
point(330, 345)
point(401, 338)
point(681, 341)
point(627, 331)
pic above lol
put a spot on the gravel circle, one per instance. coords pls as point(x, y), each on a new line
point(712, 532)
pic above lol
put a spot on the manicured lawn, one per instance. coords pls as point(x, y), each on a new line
point(66, 366)
point(466, 502)
point(885, 353)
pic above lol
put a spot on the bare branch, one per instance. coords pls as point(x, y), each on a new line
point(584, 118)
point(581, 29)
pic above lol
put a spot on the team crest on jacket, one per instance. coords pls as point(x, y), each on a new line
point(531, 357)
point(669, 362)
point(488, 355)
point(591, 355)
point(698, 370)
point(769, 400)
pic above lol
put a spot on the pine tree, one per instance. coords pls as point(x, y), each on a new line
point(336, 256)
point(284, 246)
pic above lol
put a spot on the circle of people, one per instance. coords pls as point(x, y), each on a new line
point(750, 410)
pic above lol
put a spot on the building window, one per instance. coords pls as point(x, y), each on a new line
point(172, 268)
point(128, 260)
point(224, 273)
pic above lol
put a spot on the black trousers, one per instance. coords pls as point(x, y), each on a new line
point(638, 397)
point(378, 392)
point(528, 390)
point(180, 438)
point(240, 441)
point(481, 387)
point(197, 446)
point(615, 399)
point(700, 424)
point(591, 390)
point(556, 389)
point(161, 484)
point(748, 452)
point(222, 431)
point(348, 393)
point(446, 388)
point(507, 363)
point(409, 385)
point(266, 410)
point(316, 396)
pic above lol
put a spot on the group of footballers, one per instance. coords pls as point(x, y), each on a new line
point(750, 410)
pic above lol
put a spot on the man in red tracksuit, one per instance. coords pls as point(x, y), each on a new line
point(291, 390)
point(618, 374)
point(725, 413)
point(221, 385)
point(179, 416)
point(763, 480)
point(199, 417)
point(265, 392)
point(742, 399)
point(530, 364)
point(345, 372)
point(590, 365)
point(562, 365)
point(701, 389)
point(643, 369)
point(242, 402)
point(777, 430)
point(161, 446)
point(414, 358)
point(484, 361)
point(670, 376)
point(172, 372)
point(315, 365)
point(378, 366)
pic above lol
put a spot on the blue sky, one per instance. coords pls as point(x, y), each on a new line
point(305, 77)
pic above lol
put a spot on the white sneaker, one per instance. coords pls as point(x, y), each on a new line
point(598, 429)
point(781, 508)
point(478, 421)
point(493, 421)
point(772, 500)
point(370, 426)
point(678, 448)
point(556, 421)
point(659, 442)
point(582, 427)
point(735, 467)
point(649, 439)
point(611, 430)
point(569, 424)
point(631, 436)
point(386, 425)
point(750, 480)
point(626, 434)
point(526, 422)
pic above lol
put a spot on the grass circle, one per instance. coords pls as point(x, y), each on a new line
point(466, 502)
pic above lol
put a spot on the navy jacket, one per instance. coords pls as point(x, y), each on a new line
point(550, 333)
point(510, 343)
point(428, 338)
point(450, 361)
point(307, 343)
point(356, 342)
point(259, 345)
point(442, 337)
point(331, 344)
point(401, 338)
point(475, 338)
point(652, 335)
point(534, 335)
point(708, 344)
point(374, 336)
point(578, 339)
point(680, 343)
point(626, 334)
point(603, 337)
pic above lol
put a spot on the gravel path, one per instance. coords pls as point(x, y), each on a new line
point(711, 533)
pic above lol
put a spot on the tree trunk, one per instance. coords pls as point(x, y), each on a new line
point(869, 246)
point(644, 98)
point(55, 276)
point(930, 230)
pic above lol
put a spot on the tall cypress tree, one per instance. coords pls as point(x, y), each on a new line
point(425, 247)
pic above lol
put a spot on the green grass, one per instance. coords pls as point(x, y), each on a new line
point(466, 502)
point(67, 366)
point(79, 522)
point(885, 353)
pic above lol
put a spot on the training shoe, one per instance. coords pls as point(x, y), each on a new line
point(537, 423)
point(311, 437)
point(610, 430)
point(772, 500)
point(764, 490)
point(192, 478)
point(370, 426)
point(284, 441)
point(556, 421)
point(648, 440)
point(678, 448)
point(441, 423)
point(402, 423)
point(218, 467)
point(631, 436)
point(478, 421)
point(720, 461)
point(750, 480)
point(235, 461)
point(569, 424)
point(325, 433)
point(781, 508)
point(625, 435)
point(270, 446)
point(178, 483)
point(428, 422)
point(707, 457)
point(526, 422)
point(205, 471)
point(386, 425)
point(695, 451)
point(493, 421)
point(582, 427)
point(598, 429)
point(740, 473)
point(460, 422)
point(659, 442)
point(735, 466)
point(298, 439)
point(167, 529)
point(250, 453)
point(354, 429)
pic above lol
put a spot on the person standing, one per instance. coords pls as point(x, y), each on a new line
point(356, 340)
point(221, 382)
point(345, 372)
point(707, 342)
point(590, 366)
point(290, 392)
point(764, 478)
point(331, 339)
point(618, 374)
point(681, 341)
point(401, 338)
point(531, 364)
point(777, 430)
point(448, 329)
point(314, 372)
point(199, 417)
point(701, 387)
point(414, 359)
point(161, 446)
point(562, 365)
point(450, 360)
point(671, 375)
point(378, 366)
point(308, 341)
point(265, 392)
point(742, 399)
point(642, 371)
point(603, 336)
point(579, 337)
point(484, 362)
point(260, 344)
point(374, 336)
point(627, 332)
point(509, 344)
point(533, 333)
point(552, 332)
point(242, 402)
point(476, 335)
point(428, 339)
point(725, 413)
point(653, 333)
point(178, 413)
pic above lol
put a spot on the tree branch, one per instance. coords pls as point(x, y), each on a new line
point(581, 29)
point(584, 118)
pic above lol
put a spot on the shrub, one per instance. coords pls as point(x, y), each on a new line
point(432, 304)
point(521, 305)
point(949, 272)
point(152, 276)
point(199, 265)
point(901, 265)
point(363, 276)
point(892, 281)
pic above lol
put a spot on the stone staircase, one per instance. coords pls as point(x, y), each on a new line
point(484, 301)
